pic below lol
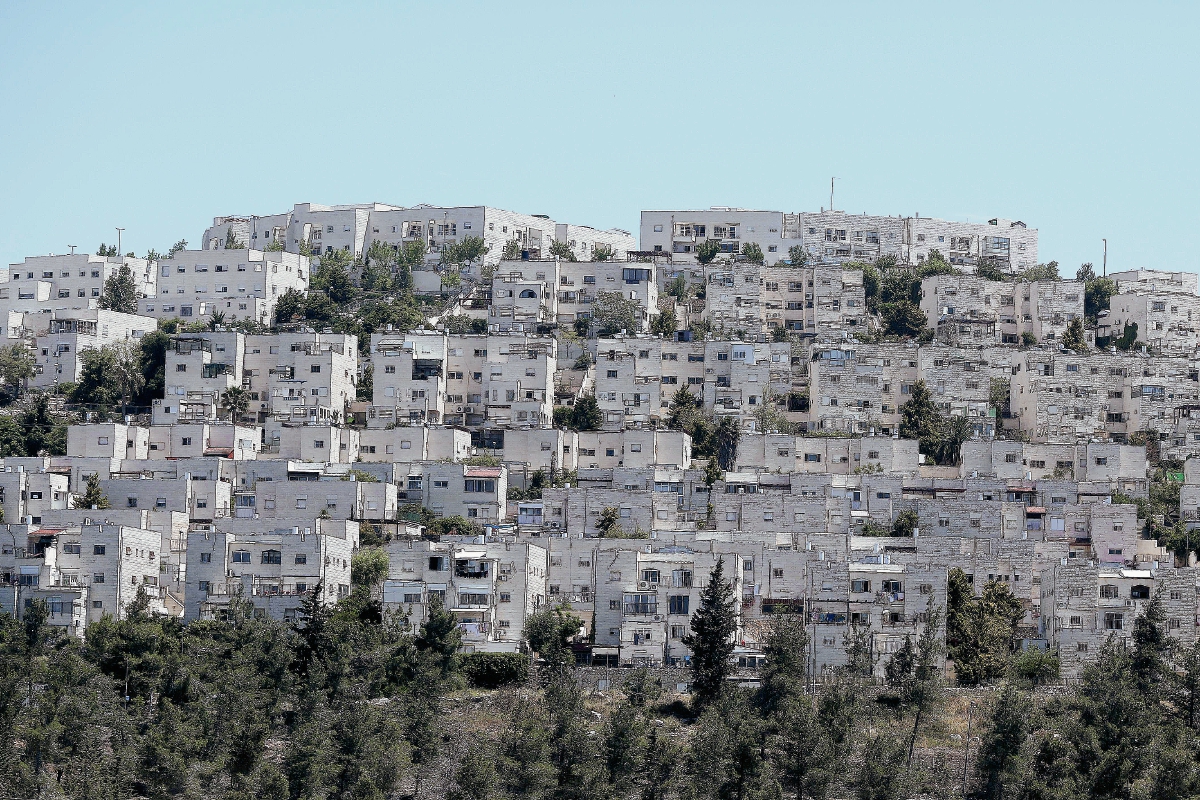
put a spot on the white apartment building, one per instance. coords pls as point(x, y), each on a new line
point(31, 496)
point(112, 440)
point(405, 445)
point(355, 227)
point(1167, 321)
point(75, 281)
point(301, 377)
point(438, 226)
point(859, 388)
point(1084, 604)
point(477, 493)
point(526, 293)
point(633, 447)
point(1043, 309)
point(114, 562)
point(200, 368)
point(637, 376)
point(274, 569)
point(502, 380)
point(322, 228)
point(837, 236)
point(490, 587)
point(58, 350)
point(1134, 281)
point(583, 241)
point(239, 284)
point(813, 300)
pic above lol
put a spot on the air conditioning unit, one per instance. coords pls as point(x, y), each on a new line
point(644, 585)
point(658, 618)
point(554, 525)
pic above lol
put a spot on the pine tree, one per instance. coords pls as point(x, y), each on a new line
point(93, 497)
point(439, 635)
point(711, 638)
point(585, 414)
point(120, 292)
point(999, 762)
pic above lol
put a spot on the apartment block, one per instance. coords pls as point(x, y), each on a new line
point(1135, 281)
point(636, 377)
point(859, 388)
point(821, 299)
point(58, 351)
point(302, 377)
point(1084, 604)
point(837, 236)
point(1042, 309)
point(240, 284)
point(200, 368)
point(1167, 321)
point(414, 443)
point(272, 569)
point(502, 380)
point(114, 562)
point(789, 453)
point(478, 493)
point(318, 228)
point(1099, 394)
point(70, 282)
point(490, 587)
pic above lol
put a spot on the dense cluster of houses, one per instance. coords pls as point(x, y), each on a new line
point(823, 509)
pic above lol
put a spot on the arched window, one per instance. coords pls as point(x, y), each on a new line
point(528, 293)
point(1139, 592)
point(271, 557)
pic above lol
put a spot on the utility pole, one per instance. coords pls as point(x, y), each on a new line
point(1105, 257)
point(119, 231)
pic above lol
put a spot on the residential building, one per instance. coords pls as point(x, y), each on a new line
point(58, 351)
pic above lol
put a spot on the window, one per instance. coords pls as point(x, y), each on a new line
point(678, 604)
point(98, 577)
point(241, 556)
point(301, 558)
point(860, 586)
point(206, 558)
point(1114, 621)
point(479, 486)
point(98, 550)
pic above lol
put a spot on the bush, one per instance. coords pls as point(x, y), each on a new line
point(492, 670)
point(1034, 667)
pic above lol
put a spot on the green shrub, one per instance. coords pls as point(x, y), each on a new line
point(492, 670)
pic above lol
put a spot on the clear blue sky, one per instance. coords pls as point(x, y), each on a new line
point(1078, 118)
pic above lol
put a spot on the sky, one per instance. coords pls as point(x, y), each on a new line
point(1078, 118)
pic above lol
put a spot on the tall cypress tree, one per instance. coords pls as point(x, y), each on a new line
point(711, 638)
